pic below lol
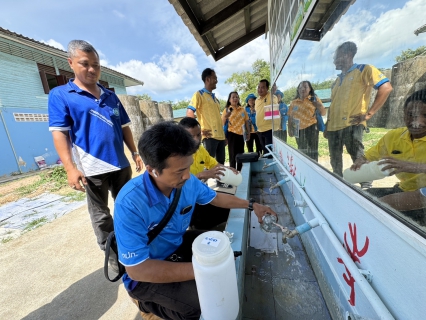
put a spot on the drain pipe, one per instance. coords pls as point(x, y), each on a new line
point(10, 140)
point(371, 295)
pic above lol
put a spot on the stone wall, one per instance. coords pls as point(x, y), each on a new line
point(407, 77)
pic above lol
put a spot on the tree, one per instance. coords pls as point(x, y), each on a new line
point(180, 104)
point(246, 82)
point(144, 96)
point(409, 54)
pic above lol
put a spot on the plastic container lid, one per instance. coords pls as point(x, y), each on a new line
point(211, 248)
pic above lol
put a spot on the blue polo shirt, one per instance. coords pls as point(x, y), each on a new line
point(140, 206)
point(95, 127)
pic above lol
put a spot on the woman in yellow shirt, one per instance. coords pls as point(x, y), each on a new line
point(237, 119)
point(302, 119)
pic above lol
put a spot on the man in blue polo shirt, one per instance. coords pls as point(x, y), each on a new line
point(160, 285)
point(89, 124)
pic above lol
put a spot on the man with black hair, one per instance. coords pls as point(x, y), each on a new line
point(350, 98)
point(159, 284)
point(264, 127)
point(206, 107)
point(89, 125)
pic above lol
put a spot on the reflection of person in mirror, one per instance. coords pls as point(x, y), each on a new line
point(264, 127)
point(350, 98)
point(403, 152)
point(251, 112)
point(282, 134)
point(206, 107)
point(303, 109)
point(238, 128)
point(160, 275)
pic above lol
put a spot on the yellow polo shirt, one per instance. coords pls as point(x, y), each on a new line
point(202, 159)
point(236, 120)
point(262, 124)
point(207, 108)
point(350, 94)
point(397, 144)
point(304, 110)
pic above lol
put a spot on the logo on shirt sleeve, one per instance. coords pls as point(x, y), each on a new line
point(116, 112)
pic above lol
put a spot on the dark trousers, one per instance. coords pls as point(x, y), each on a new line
point(235, 146)
point(281, 134)
point(176, 300)
point(216, 149)
point(308, 141)
point(97, 200)
point(265, 138)
point(351, 138)
point(254, 138)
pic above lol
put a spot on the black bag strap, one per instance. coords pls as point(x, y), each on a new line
point(153, 233)
point(112, 244)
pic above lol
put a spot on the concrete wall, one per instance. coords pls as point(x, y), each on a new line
point(379, 119)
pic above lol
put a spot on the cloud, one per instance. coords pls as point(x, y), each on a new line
point(168, 72)
point(379, 36)
point(118, 14)
point(54, 43)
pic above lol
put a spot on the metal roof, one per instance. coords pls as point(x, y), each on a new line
point(222, 26)
point(10, 35)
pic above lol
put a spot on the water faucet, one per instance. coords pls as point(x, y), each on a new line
point(266, 165)
point(279, 183)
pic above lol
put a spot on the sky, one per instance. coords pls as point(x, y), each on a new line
point(147, 40)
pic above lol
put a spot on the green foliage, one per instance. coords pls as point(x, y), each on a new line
point(7, 239)
point(144, 96)
point(52, 181)
point(35, 223)
point(181, 104)
point(290, 93)
point(246, 82)
point(409, 54)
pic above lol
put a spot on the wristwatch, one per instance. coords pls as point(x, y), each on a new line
point(251, 202)
point(135, 153)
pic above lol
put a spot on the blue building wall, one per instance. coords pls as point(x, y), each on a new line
point(21, 91)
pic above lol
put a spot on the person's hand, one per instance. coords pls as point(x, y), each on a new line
point(399, 166)
point(138, 160)
point(74, 177)
point(261, 210)
point(233, 170)
point(324, 134)
point(358, 118)
point(247, 136)
point(358, 163)
point(206, 133)
point(214, 173)
point(226, 142)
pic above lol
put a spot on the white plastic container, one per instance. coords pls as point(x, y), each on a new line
point(367, 172)
point(231, 178)
point(215, 276)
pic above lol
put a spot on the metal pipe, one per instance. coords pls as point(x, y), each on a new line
point(279, 183)
point(10, 140)
point(371, 295)
point(269, 164)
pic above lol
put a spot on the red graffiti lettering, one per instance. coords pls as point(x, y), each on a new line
point(354, 252)
point(350, 282)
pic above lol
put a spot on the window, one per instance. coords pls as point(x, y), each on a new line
point(31, 117)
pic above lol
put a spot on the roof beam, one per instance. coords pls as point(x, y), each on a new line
point(240, 42)
point(247, 18)
point(310, 34)
point(223, 15)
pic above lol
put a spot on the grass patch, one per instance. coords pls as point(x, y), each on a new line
point(52, 180)
point(36, 223)
point(74, 196)
point(7, 239)
point(369, 140)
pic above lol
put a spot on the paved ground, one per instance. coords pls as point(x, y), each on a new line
point(56, 272)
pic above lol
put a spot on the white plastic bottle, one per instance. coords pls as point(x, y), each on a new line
point(367, 172)
point(215, 276)
point(230, 177)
